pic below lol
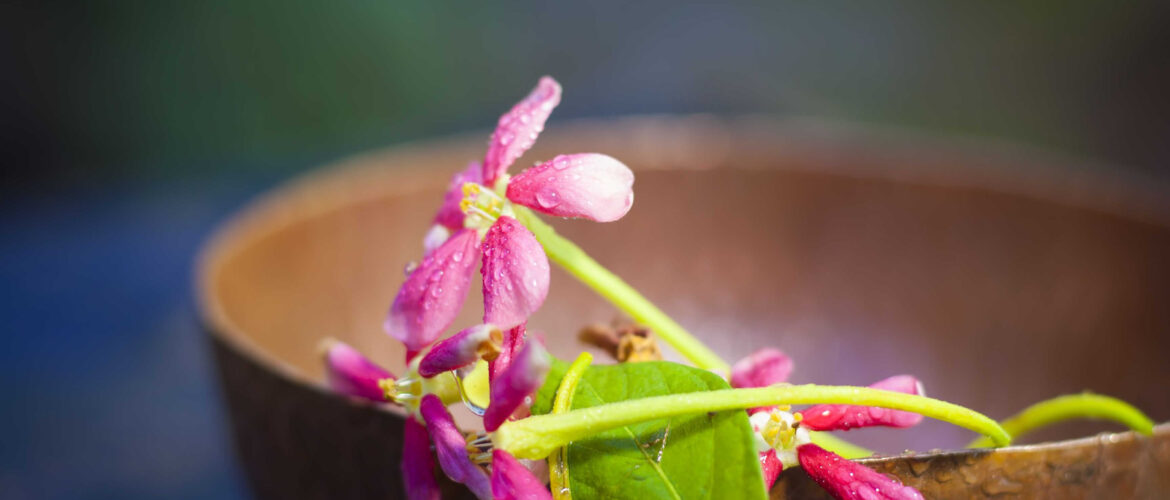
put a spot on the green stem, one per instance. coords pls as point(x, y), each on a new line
point(537, 436)
point(1071, 407)
point(569, 256)
point(557, 466)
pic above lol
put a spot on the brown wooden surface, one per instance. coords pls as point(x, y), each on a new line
point(1000, 281)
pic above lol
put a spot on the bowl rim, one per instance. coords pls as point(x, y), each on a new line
point(997, 166)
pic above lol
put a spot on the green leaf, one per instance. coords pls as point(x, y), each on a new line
point(700, 456)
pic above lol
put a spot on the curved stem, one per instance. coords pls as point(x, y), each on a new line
point(558, 473)
point(537, 436)
point(569, 256)
point(1073, 406)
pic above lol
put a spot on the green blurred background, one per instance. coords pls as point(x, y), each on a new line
point(129, 128)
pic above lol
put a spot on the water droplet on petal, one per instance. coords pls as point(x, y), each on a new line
point(409, 267)
point(548, 198)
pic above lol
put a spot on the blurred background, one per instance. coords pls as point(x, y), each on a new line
point(128, 129)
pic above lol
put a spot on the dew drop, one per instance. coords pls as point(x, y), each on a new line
point(548, 198)
point(457, 256)
point(409, 267)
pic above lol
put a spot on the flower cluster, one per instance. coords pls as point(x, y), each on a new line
point(477, 222)
point(783, 438)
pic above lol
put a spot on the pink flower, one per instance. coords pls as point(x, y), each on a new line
point(417, 462)
point(433, 294)
point(451, 448)
point(351, 373)
point(517, 367)
point(767, 366)
point(518, 128)
point(783, 437)
point(589, 186)
point(515, 273)
point(846, 417)
point(847, 480)
point(515, 268)
point(522, 377)
point(460, 350)
point(512, 481)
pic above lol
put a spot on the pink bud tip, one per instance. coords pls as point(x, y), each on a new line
point(847, 480)
point(512, 481)
point(418, 465)
point(846, 417)
point(455, 352)
point(518, 128)
point(452, 447)
point(351, 373)
point(432, 295)
point(590, 186)
point(515, 274)
point(519, 380)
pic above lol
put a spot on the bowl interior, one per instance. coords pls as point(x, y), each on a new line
point(860, 261)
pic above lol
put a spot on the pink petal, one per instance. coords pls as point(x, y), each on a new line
point(517, 129)
point(351, 373)
point(847, 480)
point(764, 367)
point(418, 465)
point(518, 381)
point(846, 417)
point(588, 185)
point(513, 342)
point(452, 447)
point(512, 481)
point(515, 274)
point(771, 466)
point(455, 352)
point(449, 214)
point(432, 295)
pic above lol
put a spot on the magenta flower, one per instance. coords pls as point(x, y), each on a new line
point(587, 186)
point(762, 368)
point(512, 481)
point(351, 373)
point(460, 350)
point(522, 377)
point(518, 367)
point(515, 273)
point(433, 293)
point(417, 462)
point(845, 417)
point(847, 480)
point(451, 447)
point(515, 268)
point(783, 436)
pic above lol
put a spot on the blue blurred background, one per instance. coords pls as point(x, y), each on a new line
point(128, 129)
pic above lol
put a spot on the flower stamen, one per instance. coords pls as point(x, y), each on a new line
point(482, 206)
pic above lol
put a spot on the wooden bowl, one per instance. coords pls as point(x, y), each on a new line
point(1000, 278)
